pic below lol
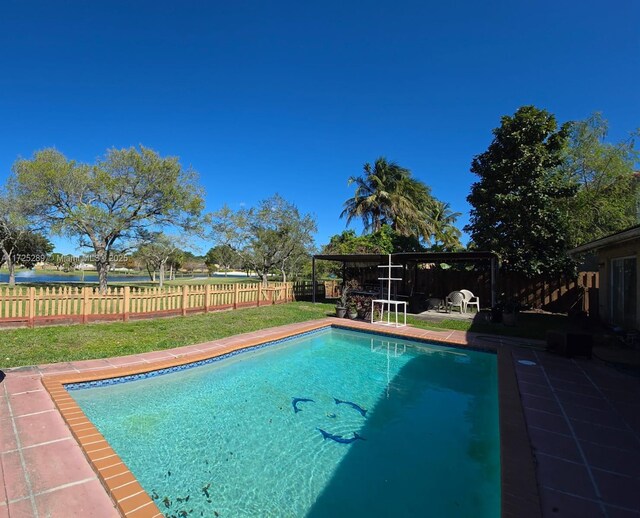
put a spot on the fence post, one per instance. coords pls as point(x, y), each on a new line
point(85, 304)
point(236, 293)
point(259, 293)
point(207, 295)
point(125, 304)
point(32, 306)
point(185, 299)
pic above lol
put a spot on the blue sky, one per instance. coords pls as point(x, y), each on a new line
point(293, 97)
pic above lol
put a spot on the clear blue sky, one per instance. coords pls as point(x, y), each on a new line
point(293, 97)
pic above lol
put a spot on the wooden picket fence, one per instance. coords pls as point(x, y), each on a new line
point(65, 304)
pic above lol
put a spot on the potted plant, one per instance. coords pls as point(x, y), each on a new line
point(352, 310)
point(341, 305)
point(510, 311)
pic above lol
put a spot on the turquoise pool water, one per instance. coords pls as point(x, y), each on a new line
point(225, 440)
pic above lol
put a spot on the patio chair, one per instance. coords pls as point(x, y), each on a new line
point(456, 299)
point(470, 300)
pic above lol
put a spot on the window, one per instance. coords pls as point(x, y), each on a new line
point(623, 291)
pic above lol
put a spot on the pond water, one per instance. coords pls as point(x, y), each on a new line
point(31, 276)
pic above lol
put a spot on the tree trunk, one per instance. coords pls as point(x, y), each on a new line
point(151, 274)
point(12, 273)
point(265, 279)
point(161, 273)
point(102, 265)
point(11, 265)
point(284, 275)
point(103, 272)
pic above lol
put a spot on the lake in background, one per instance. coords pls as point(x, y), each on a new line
point(30, 276)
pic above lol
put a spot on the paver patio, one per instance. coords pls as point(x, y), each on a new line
point(583, 420)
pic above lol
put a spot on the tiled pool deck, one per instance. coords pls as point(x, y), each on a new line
point(583, 419)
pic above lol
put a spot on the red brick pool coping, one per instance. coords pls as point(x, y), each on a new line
point(519, 488)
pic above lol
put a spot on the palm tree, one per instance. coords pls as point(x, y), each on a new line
point(446, 235)
point(387, 194)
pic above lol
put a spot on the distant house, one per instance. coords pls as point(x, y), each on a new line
point(618, 261)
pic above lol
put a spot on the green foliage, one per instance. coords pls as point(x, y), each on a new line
point(221, 256)
point(515, 203)
point(272, 237)
point(20, 245)
point(388, 194)
point(31, 248)
point(158, 251)
point(124, 193)
point(446, 236)
point(27, 248)
point(607, 197)
point(384, 241)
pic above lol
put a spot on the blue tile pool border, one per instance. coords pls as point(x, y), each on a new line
point(190, 365)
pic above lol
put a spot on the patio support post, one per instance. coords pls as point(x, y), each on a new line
point(494, 274)
point(313, 279)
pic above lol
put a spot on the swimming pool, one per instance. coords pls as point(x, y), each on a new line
point(393, 428)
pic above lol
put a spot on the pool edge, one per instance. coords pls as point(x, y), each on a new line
point(519, 490)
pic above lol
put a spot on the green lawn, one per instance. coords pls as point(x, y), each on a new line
point(82, 342)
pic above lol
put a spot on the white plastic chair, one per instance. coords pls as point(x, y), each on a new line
point(456, 299)
point(470, 300)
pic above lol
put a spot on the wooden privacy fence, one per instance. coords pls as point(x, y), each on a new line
point(556, 294)
point(550, 293)
point(65, 304)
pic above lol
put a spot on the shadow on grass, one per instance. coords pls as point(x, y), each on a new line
point(527, 325)
point(431, 444)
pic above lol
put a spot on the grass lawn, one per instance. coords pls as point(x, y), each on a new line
point(82, 342)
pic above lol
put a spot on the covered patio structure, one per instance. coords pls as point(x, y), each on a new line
point(417, 269)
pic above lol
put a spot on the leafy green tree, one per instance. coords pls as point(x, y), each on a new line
point(190, 261)
point(20, 245)
point(384, 241)
point(24, 249)
point(60, 261)
point(124, 193)
point(446, 236)
point(388, 194)
point(607, 197)
point(267, 237)
point(515, 202)
point(220, 255)
point(156, 252)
